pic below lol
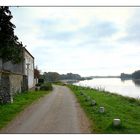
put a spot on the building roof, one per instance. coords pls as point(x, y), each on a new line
point(28, 52)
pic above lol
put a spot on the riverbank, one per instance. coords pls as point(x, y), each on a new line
point(21, 101)
point(116, 106)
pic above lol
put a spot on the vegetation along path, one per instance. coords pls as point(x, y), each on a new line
point(58, 112)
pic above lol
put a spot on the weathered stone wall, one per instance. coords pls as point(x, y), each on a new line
point(5, 96)
point(15, 83)
point(11, 84)
point(9, 66)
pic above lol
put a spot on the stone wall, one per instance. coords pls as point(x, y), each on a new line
point(15, 83)
point(5, 96)
point(10, 85)
point(9, 66)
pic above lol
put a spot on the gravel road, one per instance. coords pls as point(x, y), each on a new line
point(57, 112)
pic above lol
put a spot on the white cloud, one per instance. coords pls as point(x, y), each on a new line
point(84, 40)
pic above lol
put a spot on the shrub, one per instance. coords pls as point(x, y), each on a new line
point(38, 84)
point(46, 86)
point(41, 81)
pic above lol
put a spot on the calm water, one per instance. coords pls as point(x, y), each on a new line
point(116, 85)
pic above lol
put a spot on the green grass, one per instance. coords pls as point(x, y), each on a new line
point(59, 83)
point(116, 106)
point(21, 101)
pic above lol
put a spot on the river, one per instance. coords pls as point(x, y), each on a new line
point(116, 85)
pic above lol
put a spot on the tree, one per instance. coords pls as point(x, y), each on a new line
point(51, 76)
point(10, 47)
point(136, 74)
point(36, 74)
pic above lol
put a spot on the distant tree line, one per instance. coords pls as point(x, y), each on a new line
point(134, 75)
point(70, 76)
point(55, 77)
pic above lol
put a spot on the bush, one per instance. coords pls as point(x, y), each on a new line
point(38, 84)
point(41, 81)
point(46, 86)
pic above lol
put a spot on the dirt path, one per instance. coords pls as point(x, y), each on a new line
point(58, 112)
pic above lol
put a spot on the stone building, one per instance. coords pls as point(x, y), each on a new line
point(28, 68)
point(16, 78)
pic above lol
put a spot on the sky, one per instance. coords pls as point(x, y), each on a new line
point(85, 40)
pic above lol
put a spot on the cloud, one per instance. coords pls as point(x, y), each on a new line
point(84, 40)
point(131, 28)
point(99, 29)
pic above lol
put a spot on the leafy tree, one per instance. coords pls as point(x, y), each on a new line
point(55, 77)
point(51, 76)
point(36, 74)
point(10, 47)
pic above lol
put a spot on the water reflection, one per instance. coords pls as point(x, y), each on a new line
point(125, 79)
point(124, 87)
point(136, 82)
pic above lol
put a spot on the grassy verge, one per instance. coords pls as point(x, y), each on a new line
point(116, 106)
point(9, 111)
point(59, 83)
